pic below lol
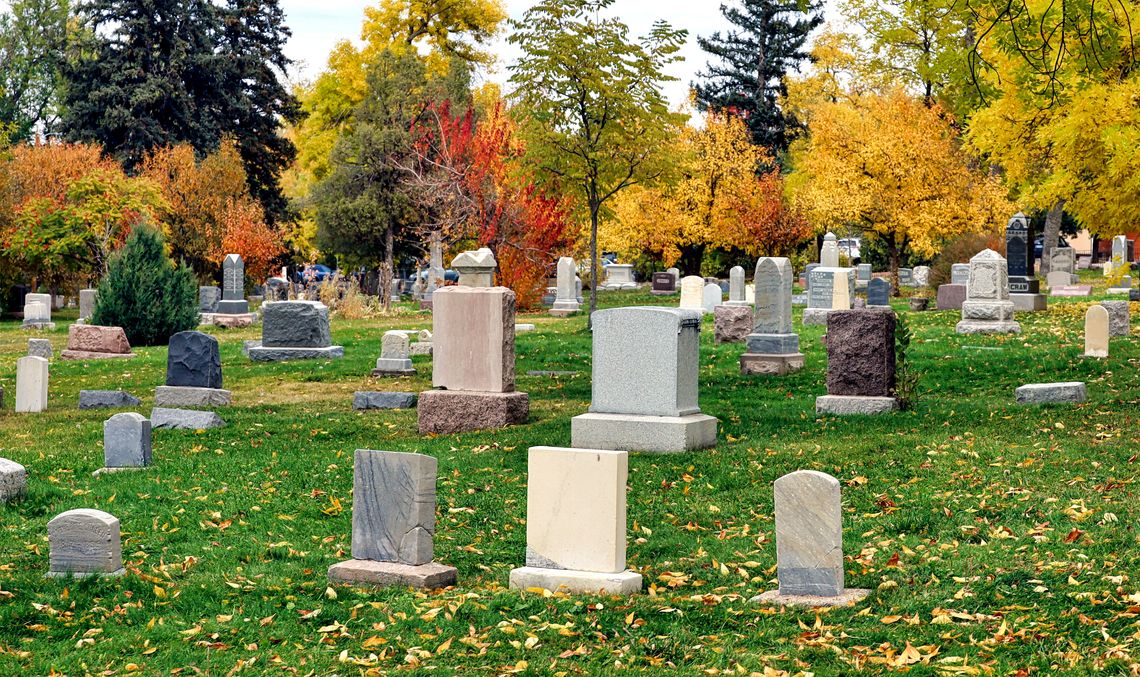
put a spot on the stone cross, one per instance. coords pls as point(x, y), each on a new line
point(736, 292)
point(85, 542)
point(692, 292)
point(711, 298)
point(31, 384)
point(1096, 332)
point(126, 441)
point(809, 534)
point(393, 506)
point(829, 252)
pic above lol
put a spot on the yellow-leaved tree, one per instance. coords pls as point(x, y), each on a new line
point(891, 167)
point(712, 199)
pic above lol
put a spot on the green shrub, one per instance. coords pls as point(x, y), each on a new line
point(145, 294)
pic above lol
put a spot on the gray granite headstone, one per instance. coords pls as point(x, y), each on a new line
point(295, 324)
point(106, 399)
point(40, 348)
point(184, 419)
point(878, 292)
point(193, 360)
point(773, 279)
point(126, 441)
point(863, 272)
point(369, 399)
point(233, 286)
point(960, 273)
point(809, 534)
point(13, 480)
point(87, 298)
point(646, 361)
point(393, 508)
point(208, 298)
point(906, 277)
point(85, 542)
point(821, 290)
point(736, 285)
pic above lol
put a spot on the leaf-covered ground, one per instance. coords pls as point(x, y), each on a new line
point(996, 539)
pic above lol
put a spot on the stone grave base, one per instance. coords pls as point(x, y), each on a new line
point(1028, 303)
point(420, 348)
point(564, 308)
point(580, 582)
point(365, 572)
point(443, 412)
point(274, 354)
point(369, 399)
point(1046, 393)
point(184, 419)
point(950, 296)
point(663, 292)
point(816, 316)
point(89, 355)
point(987, 327)
point(393, 366)
point(233, 307)
point(847, 597)
point(186, 396)
point(229, 320)
point(1060, 279)
point(105, 471)
point(1113, 291)
point(1071, 290)
point(633, 432)
point(841, 405)
point(774, 365)
point(618, 286)
point(106, 399)
point(45, 326)
point(523, 328)
point(86, 574)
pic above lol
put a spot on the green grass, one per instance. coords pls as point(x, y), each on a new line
point(995, 538)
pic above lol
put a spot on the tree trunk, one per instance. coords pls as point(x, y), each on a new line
point(1052, 233)
point(894, 255)
point(691, 257)
point(595, 206)
point(386, 271)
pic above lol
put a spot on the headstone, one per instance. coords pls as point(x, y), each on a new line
point(1024, 288)
point(363, 400)
point(712, 297)
point(1062, 267)
point(473, 345)
point(184, 419)
point(233, 287)
point(638, 405)
point(676, 273)
point(863, 273)
point(987, 308)
point(576, 523)
point(476, 268)
point(1122, 286)
point(435, 271)
point(83, 543)
point(959, 273)
point(750, 294)
point(1119, 251)
point(393, 523)
point(193, 359)
point(921, 276)
point(92, 342)
point(1071, 392)
point(736, 294)
point(126, 441)
point(773, 347)
point(13, 481)
point(31, 384)
point(809, 542)
point(40, 348)
point(37, 312)
point(87, 298)
point(295, 330)
point(1119, 317)
point(693, 293)
point(860, 363)
point(566, 301)
point(829, 252)
point(394, 359)
point(732, 323)
point(664, 283)
point(879, 292)
point(805, 281)
point(1096, 332)
point(828, 289)
point(619, 276)
point(951, 296)
point(1071, 290)
point(107, 399)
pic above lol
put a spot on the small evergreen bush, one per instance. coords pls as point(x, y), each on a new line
point(145, 294)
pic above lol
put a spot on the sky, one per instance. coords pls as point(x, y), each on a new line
point(317, 25)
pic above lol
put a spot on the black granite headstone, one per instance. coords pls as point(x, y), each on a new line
point(193, 361)
point(878, 292)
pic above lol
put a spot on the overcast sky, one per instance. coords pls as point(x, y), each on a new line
point(317, 25)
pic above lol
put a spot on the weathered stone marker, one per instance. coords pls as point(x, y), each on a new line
point(987, 308)
point(640, 405)
point(295, 330)
point(879, 292)
point(394, 359)
point(619, 276)
point(233, 287)
point(92, 342)
point(736, 288)
point(860, 363)
point(1119, 317)
point(1096, 332)
point(692, 293)
point(828, 289)
point(126, 441)
point(809, 543)
point(393, 523)
point(476, 268)
point(1069, 392)
point(566, 299)
point(31, 384)
point(193, 373)
point(87, 299)
point(732, 322)
point(711, 297)
point(40, 348)
point(13, 480)
point(576, 523)
point(84, 542)
point(829, 252)
point(773, 347)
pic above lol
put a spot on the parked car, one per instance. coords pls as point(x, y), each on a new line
point(317, 272)
point(850, 247)
point(1039, 245)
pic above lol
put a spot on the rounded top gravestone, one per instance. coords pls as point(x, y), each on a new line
point(193, 360)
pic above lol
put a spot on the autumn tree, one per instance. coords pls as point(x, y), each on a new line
point(890, 166)
point(751, 61)
point(589, 102)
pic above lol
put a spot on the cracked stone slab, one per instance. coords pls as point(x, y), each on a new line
point(107, 399)
point(84, 542)
point(184, 419)
point(393, 508)
point(1049, 393)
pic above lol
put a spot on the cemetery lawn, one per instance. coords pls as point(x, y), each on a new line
point(996, 539)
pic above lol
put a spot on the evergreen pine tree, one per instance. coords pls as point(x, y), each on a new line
point(747, 78)
point(145, 294)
